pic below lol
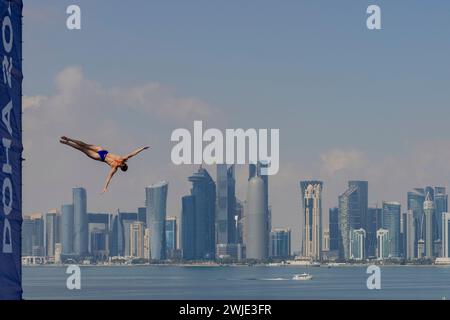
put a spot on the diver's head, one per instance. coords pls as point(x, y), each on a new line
point(124, 167)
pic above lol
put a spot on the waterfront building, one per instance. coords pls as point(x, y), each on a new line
point(280, 243)
point(383, 244)
point(156, 198)
point(311, 192)
point(391, 222)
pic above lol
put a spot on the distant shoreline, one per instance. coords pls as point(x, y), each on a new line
point(233, 265)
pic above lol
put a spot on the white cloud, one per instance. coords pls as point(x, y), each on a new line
point(32, 102)
point(337, 160)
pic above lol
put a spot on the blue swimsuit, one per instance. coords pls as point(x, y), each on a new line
point(102, 154)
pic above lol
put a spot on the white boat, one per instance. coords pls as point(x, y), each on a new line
point(302, 277)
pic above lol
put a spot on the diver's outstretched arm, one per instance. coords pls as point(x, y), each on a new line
point(135, 152)
point(108, 178)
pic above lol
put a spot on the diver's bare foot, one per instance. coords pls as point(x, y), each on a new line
point(64, 138)
point(63, 141)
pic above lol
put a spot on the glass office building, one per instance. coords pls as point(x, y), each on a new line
point(156, 198)
point(391, 222)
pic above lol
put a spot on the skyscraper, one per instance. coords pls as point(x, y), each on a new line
point(334, 228)
point(171, 236)
point(121, 233)
point(98, 228)
point(38, 235)
point(239, 220)
point(416, 199)
point(226, 207)
point(80, 222)
point(137, 229)
point(280, 243)
point(204, 192)
point(257, 220)
point(325, 240)
point(445, 235)
point(383, 244)
point(357, 244)
point(353, 206)
point(147, 244)
point(114, 236)
point(188, 227)
point(27, 236)
point(52, 232)
point(363, 196)
point(98, 243)
point(52, 228)
point(374, 222)
point(441, 206)
point(67, 228)
point(391, 222)
point(312, 218)
point(429, 209)
point(259, 170)
point(142, 214)
point(410, 235)
point(127, 224)
point(156, 197)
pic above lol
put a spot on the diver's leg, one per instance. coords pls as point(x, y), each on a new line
point(92, 147)
point(87, 151)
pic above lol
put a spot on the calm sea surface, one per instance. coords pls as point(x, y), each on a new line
point(170, 282)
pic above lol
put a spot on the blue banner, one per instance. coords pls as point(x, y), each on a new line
point(11, 149)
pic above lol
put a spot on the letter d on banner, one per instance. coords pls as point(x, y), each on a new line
point(11, 149)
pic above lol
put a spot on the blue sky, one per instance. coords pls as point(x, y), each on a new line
point(350, 103)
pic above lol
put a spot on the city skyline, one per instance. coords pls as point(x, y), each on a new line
point(346, 100)
point(201, 234)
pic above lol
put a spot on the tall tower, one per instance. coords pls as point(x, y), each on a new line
point(258, 170)
point(137, 231)
point(383, 246)
point(280, 243)
point(333, 216)
point(363, 191)
point(428, 209)
point(226, 207)
point(171, 236)
point(200, 215)
point(416, 198)
point(51, 232)
point(357, 244)
point(80, 222)
point(256, 215)
point(410, 232)
point(441, 206)
point(67, 228)
point(188, 227)
point(312, 218)
point(353, 214)
point(155, 199)
point(391, 222)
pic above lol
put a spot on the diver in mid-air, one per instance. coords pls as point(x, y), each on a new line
point(98, 153)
